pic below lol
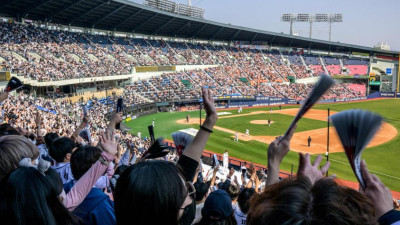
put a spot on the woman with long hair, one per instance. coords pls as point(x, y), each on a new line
point(158, 192)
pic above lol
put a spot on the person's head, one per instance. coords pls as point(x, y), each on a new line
point(7, 129)
point(154, 192)
point(62, 149)
point(49, 138)
point(83, 158)
point(13, 148)
point(226, 151)
point(32, 137)
point(217, 209)
point(244, 198)
point(201, 191)
point(29, 197)
point(233, 192)
point(299, 202)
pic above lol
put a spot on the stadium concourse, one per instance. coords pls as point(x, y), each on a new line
point(71, 162)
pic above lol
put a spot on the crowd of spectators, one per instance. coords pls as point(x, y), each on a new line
point(50, 175)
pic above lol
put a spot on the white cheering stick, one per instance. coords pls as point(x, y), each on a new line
point(323, 84)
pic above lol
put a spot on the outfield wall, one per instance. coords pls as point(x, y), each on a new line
point(384, 95)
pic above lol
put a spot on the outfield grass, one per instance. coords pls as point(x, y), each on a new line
point(383, 160)
point(280, 123)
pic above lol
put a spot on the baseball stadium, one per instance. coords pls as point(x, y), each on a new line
point(160, 68)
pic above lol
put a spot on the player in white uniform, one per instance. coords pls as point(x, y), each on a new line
point(225, 160)
point(236, 137)
point(247, 132)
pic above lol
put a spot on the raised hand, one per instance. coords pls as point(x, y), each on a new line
point(3, 96)
point(276, 152)
point(116, 118)
point(108, 144)
point(376, 191)
point(312, 172)
point(280, 147)
point(209, 105)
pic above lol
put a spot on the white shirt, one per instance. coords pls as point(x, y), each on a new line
point(199, 207)
point(225, 158)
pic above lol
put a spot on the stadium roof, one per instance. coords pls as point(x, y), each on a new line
point(126, 16)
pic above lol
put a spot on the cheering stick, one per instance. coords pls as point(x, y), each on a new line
point(323, 84)
point(356, 128)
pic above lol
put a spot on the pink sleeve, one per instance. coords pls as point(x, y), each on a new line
point(83, 186)
point(110, 170)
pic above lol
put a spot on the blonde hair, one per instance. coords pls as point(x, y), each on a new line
point(13, 148)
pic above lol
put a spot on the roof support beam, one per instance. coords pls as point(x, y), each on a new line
point(272, 41)
point(199, 30)
point(65, 8)
point(163, 26)
point(291, 41)
point(254, 37)
point(127, 19)
point(5, 4)
point(182, 27)
point(30, 7)
point(87, 13)
point(235, 35)
point(144, 22)
point(219, 31)
point(108, 15)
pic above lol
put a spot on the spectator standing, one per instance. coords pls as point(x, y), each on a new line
point(244, 204)
point(61, 152)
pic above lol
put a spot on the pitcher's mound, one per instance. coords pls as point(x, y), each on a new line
point(263, 122)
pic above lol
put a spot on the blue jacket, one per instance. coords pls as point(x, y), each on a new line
point(97, 208)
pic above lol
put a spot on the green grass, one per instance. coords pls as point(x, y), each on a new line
point(281, 123)
point(383, 159)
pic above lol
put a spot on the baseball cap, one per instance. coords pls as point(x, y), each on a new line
point(217, 206)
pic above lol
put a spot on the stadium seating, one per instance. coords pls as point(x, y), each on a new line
point(48, 55)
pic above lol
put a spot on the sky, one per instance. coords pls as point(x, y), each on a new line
point(365, 22)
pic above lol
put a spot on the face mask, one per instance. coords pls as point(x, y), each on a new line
point(189, 213)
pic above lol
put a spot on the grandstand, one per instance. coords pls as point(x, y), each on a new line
point(165, 57)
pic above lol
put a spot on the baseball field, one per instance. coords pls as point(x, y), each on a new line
point(382, 154)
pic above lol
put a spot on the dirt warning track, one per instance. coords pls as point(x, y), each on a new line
point(299, 141)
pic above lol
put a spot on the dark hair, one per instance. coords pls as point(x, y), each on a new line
point(233, 191)
point(244, 198)
point(151, 192)
point(299, 202)
point(83, 158)
point(32, 136)
point(228, 221)
point(120, 169)
point(54, 180)
point(201, 190)
point(49, 138)
point(61, 147)
point(7, 129)
point(27, 197)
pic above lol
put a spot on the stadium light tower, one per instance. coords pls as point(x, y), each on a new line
point(312, 18)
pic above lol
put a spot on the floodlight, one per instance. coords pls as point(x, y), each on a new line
point(303, 17)
point(321, 17)
point(312, 18)
point(336, 18)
